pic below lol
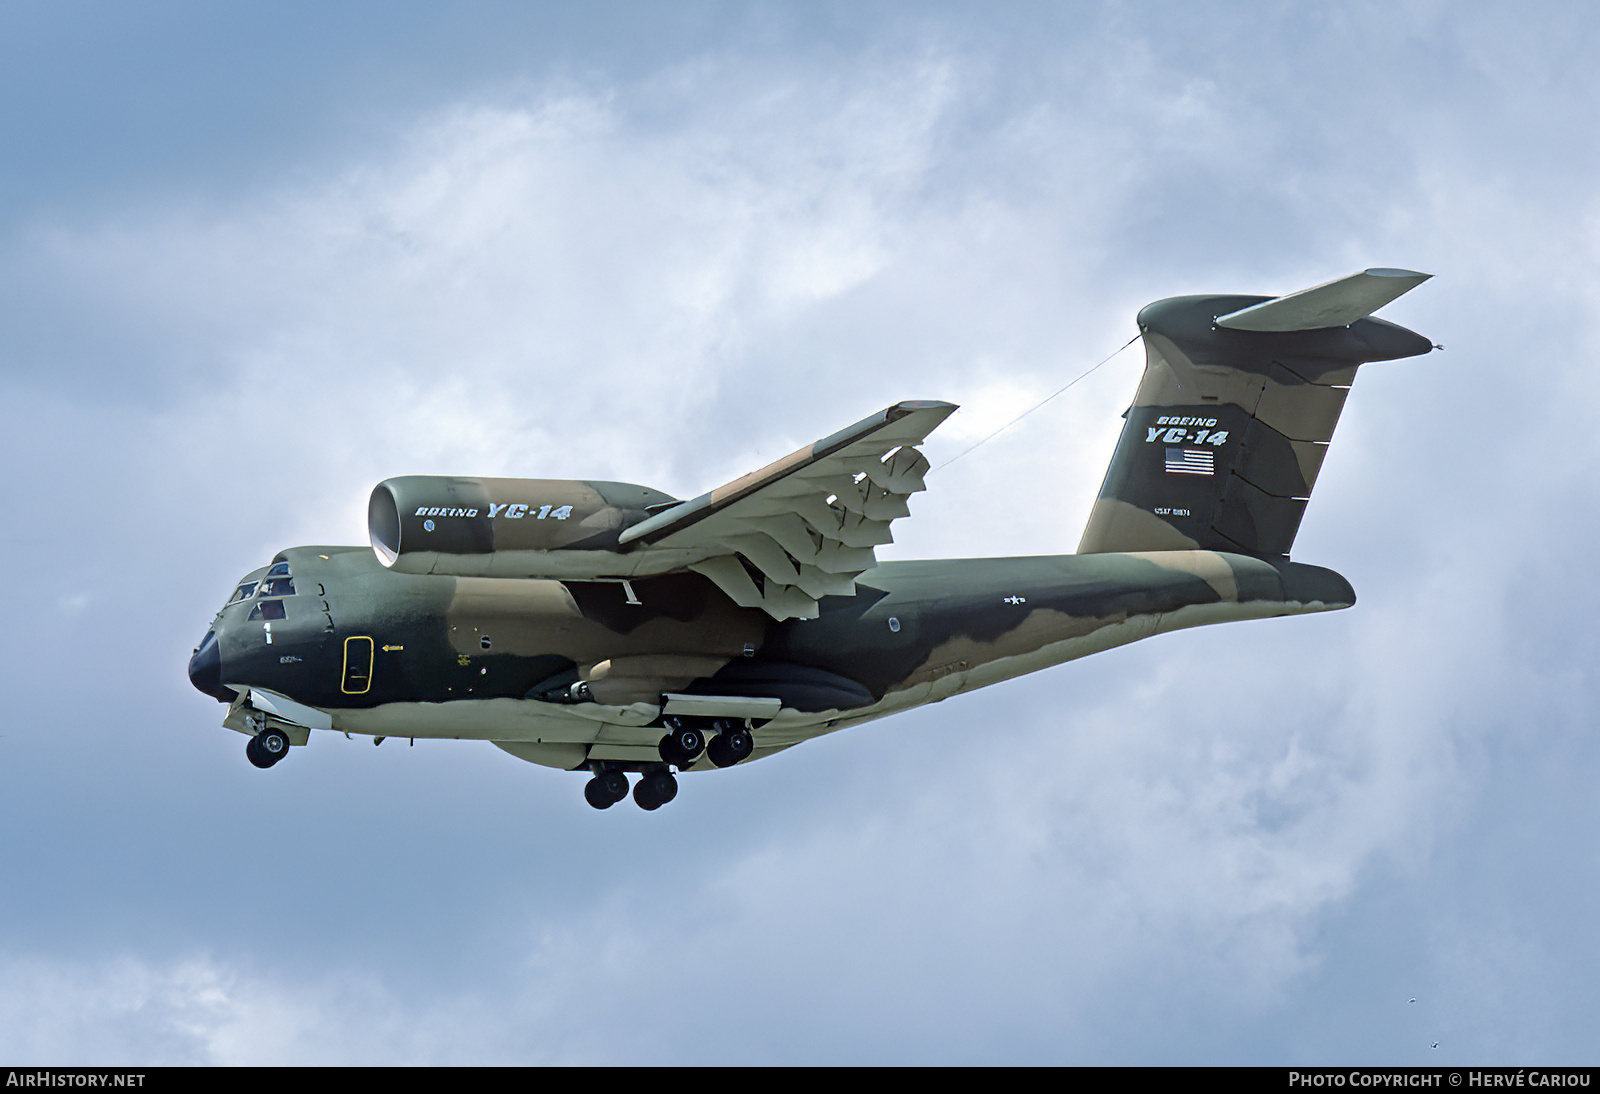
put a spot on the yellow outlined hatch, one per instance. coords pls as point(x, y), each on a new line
point(357, 666)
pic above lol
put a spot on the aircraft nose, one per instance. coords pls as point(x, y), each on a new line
point(205, 669)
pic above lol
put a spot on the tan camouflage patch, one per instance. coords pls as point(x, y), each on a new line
point(1115, 524)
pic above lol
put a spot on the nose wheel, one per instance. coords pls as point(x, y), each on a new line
point(267, 747)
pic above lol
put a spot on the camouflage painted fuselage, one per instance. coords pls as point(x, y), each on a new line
point(391, 654)
point(603, 626)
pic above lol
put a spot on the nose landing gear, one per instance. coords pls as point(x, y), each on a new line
point(267, 747)
point(267, 744)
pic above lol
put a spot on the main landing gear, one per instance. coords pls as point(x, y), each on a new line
point(728, 747)
point(606, 789)
point(686, 738)
point(724, 741)
point(654, 789)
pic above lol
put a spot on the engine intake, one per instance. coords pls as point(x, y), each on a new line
point(427, 524)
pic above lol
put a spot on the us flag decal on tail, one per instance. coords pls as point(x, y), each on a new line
point(1190, 461)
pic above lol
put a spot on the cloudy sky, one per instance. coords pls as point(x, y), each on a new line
point(256, 258)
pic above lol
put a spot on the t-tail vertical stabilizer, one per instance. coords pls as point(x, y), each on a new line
point(1233, 416)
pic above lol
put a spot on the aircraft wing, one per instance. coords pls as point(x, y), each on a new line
point(803, 527)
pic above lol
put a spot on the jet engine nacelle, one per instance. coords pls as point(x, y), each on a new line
point(436, 524)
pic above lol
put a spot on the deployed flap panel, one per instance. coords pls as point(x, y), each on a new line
point(1227, 433)
point(805, 526)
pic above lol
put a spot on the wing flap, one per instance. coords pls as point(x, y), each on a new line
point(805, 526)
point(730, 576)
point(902, 473)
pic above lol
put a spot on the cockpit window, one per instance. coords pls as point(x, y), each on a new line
point(267, 609)
point(274, 581)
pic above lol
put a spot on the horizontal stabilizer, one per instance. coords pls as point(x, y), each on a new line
point(1336, 304)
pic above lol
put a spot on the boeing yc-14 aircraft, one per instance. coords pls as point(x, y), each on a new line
point(615, 630)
